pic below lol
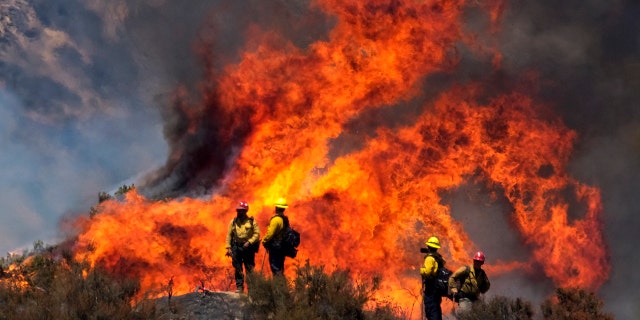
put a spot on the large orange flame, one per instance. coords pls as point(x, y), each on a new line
point(370, 208)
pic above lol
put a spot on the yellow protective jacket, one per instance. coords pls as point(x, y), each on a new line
point(472, 282)
point(274, 231)
point(430, 266)
point(242, 231)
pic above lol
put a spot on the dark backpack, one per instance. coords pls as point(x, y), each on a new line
point(441, 282)
point(290, 239)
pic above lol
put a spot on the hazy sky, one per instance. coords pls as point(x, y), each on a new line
point(83, 84)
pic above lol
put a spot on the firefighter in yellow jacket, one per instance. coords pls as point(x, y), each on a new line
point(273, 238)
point(430, 298)
point(468, 282)
point(242, 243)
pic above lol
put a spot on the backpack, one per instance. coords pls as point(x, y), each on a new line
point(441, 282)
point(290, 239)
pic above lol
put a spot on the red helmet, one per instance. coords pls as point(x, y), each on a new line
point(479, 256)
point(243, 205)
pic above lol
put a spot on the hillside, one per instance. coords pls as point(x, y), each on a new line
point(49, 286)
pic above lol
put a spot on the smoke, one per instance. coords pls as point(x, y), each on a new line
point(587, 55)
point(74, 122)
point(95, 92)
point(203, 136)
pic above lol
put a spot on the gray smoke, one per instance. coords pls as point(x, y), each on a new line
point(588, 55)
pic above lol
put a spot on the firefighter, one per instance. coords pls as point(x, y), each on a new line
point(468, 282)
point(243, 240)
point(430, 297)
point(272, 240)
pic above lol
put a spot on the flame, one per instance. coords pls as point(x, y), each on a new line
point(17, 275)
point(371, 207)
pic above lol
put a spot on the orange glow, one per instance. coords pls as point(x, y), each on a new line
point(17, 275)
point(371, 209)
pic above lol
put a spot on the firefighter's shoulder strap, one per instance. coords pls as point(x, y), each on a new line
point(235, 220)
point(438, 258)
point(235, 223)
point(463, 280)
point(285, 221)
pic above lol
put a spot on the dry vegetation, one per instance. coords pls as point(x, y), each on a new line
point(315, 294)
point(48, 283)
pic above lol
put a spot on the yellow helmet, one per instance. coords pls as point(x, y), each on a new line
point(281, 203)
point(433, 242)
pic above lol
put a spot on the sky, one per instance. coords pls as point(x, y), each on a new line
point(85, 89)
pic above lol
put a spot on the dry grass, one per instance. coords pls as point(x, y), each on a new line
point(314, 294)
point(49, 284)
point(500, 307)
point(574, 304)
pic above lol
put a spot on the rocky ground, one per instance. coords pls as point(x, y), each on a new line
point(201, 306)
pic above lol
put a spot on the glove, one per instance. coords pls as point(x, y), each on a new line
point(228, 254)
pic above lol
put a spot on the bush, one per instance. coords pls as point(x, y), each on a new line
point(47, 285)
point(573, 304)
point(314, 294)
point(500, 307)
